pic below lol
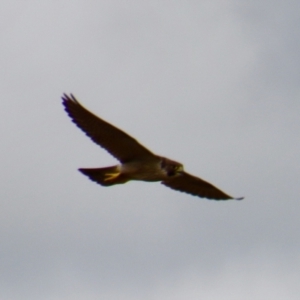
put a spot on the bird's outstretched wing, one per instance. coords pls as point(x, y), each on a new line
point(187, 183)
point(118, 143)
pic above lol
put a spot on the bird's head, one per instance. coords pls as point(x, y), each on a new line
point(171, 167)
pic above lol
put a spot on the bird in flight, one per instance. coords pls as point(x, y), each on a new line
point(136, 161)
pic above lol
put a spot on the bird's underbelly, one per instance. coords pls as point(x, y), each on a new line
point(146, 172)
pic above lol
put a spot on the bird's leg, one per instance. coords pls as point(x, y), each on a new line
point(111, 176)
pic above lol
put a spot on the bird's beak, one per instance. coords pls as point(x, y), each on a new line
point(180, 169)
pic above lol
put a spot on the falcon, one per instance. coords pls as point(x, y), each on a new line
point(136, 161)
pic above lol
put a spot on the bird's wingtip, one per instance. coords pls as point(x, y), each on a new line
point(65, 97)
point(69, 102)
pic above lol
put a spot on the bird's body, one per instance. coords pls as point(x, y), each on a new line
point(154, 169)
point(151, 169)
point(148, 171)
point(136, 161)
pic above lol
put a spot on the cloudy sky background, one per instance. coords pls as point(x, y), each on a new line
point(212, 84)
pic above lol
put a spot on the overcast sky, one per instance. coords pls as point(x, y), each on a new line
point(212, 84)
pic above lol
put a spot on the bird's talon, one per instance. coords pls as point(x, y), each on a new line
point(111, 176)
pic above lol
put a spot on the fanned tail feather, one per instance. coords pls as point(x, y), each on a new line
point(105, 176)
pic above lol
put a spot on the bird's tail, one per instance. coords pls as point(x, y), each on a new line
point(105, 176)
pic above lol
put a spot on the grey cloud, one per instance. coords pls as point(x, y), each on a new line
point(221, 76)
